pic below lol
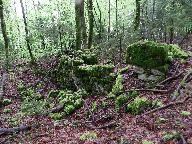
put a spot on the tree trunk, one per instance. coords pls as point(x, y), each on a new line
point(137, 17)
point(27, 33)
point(91, 24)
point(6, 40)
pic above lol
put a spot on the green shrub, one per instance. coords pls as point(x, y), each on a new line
point(176, 52)
point(139, 105)
point(88, 136)
point(6, 102)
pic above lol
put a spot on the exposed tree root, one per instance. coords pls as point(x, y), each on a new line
point(167, 106)
point(7, 131)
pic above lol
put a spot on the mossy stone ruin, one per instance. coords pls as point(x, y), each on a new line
point(152, 55)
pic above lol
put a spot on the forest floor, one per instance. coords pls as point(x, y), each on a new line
point(109, 126)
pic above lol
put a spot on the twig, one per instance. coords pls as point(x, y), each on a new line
point(171, 78)
point(168, 105)
point(177, 91)
point(152, 90)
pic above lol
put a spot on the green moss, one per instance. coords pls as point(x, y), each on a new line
point(7, 110)
point(185, 113)
point(6, 102)
point(56, 116)
point(120, 100)
point(171, 136)
point(118, 86)
point(88, 136)
point(139, 105)
point(152, 55)
point(147, 142)
point(69, 108)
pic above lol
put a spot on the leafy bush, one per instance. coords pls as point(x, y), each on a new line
point(139, 105)
point(69, 108)
point(88, 136)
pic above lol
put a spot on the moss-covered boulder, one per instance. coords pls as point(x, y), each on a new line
point(152, 55)
point(96, 77)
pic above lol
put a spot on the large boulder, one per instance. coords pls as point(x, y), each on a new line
point(153, 55)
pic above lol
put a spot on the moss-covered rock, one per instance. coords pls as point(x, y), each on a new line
point(152, 55)
point(96, 77)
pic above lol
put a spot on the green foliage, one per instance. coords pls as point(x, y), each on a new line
point(120, 100)
point(33, 107)
point(14, 121)
point(7, 110)
point(94, 106)
point(56, 116)
point(6, 102)
point(147, 142)
point(185, 113)
point(139, 105)
point(69, 108)
point(171, 136)
point(88, 136)
point(53, 94)
point(176, 52)
point(123, 70)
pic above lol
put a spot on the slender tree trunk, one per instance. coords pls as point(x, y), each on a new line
point(109, 24)
point(91, 23)
point(6, 40)
point(137, 17)
point(81, 35)
point(171, 30)
point(100, 18)
point(27, 33)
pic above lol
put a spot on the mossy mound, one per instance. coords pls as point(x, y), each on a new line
point(152, 55)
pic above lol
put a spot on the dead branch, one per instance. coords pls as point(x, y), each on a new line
point(171, 78)
point(151, 90)
point(167, 106)
point(6, 131)
point(177, 91)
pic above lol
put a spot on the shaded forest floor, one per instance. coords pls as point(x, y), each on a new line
point(110, 126)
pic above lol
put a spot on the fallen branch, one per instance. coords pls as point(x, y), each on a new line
point(6, 131)
point(152, 90)
point(167, 106)
point(171, 78)
point(177, 91)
